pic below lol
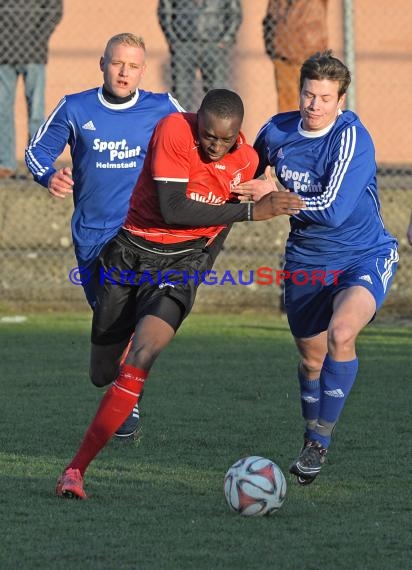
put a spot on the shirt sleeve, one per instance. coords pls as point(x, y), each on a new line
point(261, 148)
point(48, 144)
point(177, 209)
point(174, 105)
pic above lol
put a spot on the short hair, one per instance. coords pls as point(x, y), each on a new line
point(127, 39)
point(222, 103)
point(323, 65)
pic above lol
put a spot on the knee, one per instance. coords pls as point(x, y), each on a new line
point(311, 358)
point(101, 377)
point(143, 356)
point(311, 366)
point(341, 336)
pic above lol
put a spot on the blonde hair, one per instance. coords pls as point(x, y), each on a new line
point(127, 39)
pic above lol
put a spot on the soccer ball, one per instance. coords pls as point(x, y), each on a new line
point(254, 486)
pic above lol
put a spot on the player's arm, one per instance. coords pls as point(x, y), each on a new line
point(48, 144)
point(172, 153)
point(261, 147)
point(256, 188)
point(177, 209)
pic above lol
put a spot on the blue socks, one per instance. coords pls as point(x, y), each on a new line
point(336, 381)
point(309, 399)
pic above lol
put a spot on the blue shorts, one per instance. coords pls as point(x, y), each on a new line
point(309, 290)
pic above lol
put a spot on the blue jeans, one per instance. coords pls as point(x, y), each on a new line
point(34, 85)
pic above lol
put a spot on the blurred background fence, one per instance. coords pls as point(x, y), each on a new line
point(35, 243)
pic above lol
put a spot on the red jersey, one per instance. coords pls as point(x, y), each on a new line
point(174, 154)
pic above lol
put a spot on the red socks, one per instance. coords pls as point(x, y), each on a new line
point(115, 407)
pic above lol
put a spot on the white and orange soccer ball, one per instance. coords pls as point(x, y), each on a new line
point(254, 486)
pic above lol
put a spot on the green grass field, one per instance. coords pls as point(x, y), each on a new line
point(225, 388)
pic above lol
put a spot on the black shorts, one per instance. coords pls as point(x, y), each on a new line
point(136, 275)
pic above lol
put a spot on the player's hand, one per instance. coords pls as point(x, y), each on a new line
point(257, 188)
point(61, 183)
point(277, 204)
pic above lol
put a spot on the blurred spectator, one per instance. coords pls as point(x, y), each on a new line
point(200, 35)
point(26, 27)
point(293, 30)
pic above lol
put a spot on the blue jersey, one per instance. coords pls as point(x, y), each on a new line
point(108, 143)
point(334, 172)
